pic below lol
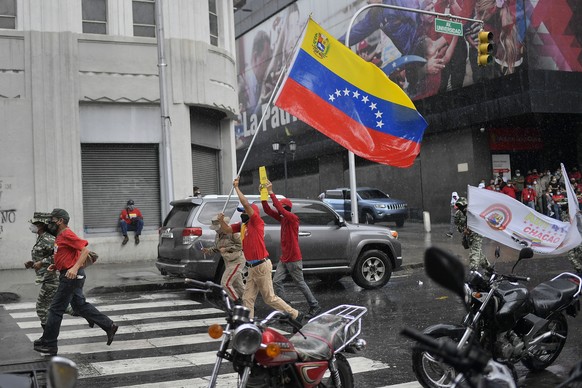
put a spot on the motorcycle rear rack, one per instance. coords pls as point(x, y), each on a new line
point(353, 314)
point(566, 274)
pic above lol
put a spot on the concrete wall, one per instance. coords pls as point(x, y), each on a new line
point(48, 69)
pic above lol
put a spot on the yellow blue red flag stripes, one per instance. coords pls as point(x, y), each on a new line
point(351, 101)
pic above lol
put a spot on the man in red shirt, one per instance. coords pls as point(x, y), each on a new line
point(508, 189)
point(130, 219)
point(290, 261)
point(252, 234)
point(528, 196)
point(70, 254)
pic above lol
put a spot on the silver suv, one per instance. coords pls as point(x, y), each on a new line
point(331, 247)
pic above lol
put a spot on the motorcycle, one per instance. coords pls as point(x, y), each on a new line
point(263, 357)
point(508, 322)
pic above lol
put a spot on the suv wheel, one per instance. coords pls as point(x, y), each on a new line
point(400, 222)
point(368, 218)
point(373, 269)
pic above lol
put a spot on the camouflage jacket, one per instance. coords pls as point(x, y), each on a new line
point(43, 251)
point(232, 244)
point(461, 223)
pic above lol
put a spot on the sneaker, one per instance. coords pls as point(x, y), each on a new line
point(50, 350)
point(300, 317)
point(125, 240)
point(449, 235)
point(313, 312)
point(136, 240)
point(111, 333)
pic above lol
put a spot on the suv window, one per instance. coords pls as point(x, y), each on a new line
point(210, 209)
point(336, 194)
point(371, 194)
point(314, 214)
point(178, 216)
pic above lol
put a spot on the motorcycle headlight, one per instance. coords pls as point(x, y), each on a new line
point(247, 339)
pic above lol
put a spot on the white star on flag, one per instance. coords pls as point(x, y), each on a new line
point(346, 92)
point(365, 99)
point(373, 106)
point(379, 124)
point(378, 114)
point(338, 92)
point(356, 94)
point(331, 98)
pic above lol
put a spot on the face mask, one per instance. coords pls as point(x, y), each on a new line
point(53, 228)
point(529, 186)
point(535, 182)
point(33, 228)
point(130, 208)
point(244, 218)
point(518, 174)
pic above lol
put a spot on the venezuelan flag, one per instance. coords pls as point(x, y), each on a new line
point(351, 101)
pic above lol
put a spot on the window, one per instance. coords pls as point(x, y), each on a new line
point(8, 14)
point(314, 214)
point(213, 19)
point(144, 18)
point(94, 16)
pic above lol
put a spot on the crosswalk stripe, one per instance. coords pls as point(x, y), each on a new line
point(229, 380)
point(150, 343)
point(130, 329)
point(119, 307)
point(92, 300)
point(148, 364)
point(128, 317)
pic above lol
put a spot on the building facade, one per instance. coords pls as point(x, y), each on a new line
point(521, 112)
point(81, 125)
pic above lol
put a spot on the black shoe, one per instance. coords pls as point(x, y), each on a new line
point(125, 240)
point(314, 311)
point(136, 240)
point(38, 342)
point(300, 317)
point(91, 323)
point(111, 333)
point(51, 350)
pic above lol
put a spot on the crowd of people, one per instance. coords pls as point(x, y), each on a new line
point(544, 191)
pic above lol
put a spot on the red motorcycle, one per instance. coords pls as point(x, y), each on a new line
point(263, 357)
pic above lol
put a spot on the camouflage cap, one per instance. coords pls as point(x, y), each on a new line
point(461, 202)
point(40, 217)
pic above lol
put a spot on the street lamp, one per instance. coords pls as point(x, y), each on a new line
point(282, 148)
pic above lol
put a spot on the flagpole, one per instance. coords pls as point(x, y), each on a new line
point(263, 112)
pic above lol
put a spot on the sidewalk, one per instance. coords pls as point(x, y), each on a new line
point(17, 285)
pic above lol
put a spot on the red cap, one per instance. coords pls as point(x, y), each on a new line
point(286, 202)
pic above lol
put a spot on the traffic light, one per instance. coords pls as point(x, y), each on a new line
point(485, 50)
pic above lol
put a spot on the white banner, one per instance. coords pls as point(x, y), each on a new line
point(503, 219)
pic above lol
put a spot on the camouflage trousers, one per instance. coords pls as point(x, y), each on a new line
point(477, 258)
point(44, 300)
point(575, 257)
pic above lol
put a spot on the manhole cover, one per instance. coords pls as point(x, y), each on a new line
point(8, 297)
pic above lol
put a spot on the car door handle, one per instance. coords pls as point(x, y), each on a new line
point(304, 234)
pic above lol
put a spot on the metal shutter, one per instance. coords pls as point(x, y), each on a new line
point(114, 173)
point(205, 169)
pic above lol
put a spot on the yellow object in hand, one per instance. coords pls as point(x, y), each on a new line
point(263, 179)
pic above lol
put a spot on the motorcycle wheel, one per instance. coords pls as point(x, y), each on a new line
point(345, 372)
point(545, 352)
point(429, 370)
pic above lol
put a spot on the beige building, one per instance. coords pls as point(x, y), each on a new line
point(80, 117)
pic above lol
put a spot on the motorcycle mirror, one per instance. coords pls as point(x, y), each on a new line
point(445, 269)
point(525, 253)
point(62, 373)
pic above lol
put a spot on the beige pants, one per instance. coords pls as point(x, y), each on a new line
point(259, 280)
point(232, 279)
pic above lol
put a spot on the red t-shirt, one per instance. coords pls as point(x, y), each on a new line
point(253, 236)
point(68, 247)
point(289, 230)
point(129, 215)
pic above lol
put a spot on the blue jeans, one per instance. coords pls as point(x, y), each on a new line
point(71, 291)
point(295, 269)
point(136, 225)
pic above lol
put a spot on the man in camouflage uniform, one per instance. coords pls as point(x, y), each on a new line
point(42, 257)
point(477, 258)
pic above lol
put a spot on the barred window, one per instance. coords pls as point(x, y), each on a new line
point(213, 19)
point(94, 16)
point(144, 18)
point(8, 14)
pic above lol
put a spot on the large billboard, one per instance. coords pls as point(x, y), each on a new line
point(407, 47)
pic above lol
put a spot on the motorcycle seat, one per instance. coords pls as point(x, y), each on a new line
point(324, 335)
point(552, 295)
